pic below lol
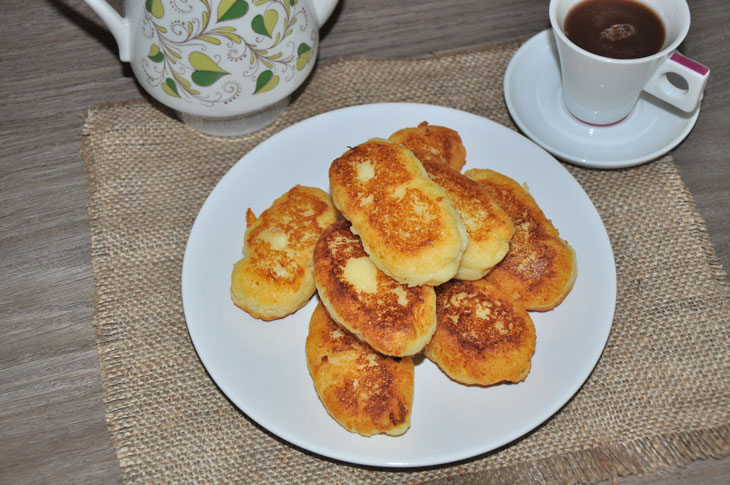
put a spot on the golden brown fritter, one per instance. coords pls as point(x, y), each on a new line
point(392, 318)
point(364, 391)
point(407, 225)
point(488, 226)
point(435, 143)
point(483, 337)
point(275, 278)
point(540, 267)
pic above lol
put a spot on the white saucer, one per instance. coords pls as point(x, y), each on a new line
point(533, 95)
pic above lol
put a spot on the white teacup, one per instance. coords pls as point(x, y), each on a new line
point(228, 67)
point(602, 91)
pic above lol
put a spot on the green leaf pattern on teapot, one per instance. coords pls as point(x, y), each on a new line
point(184, 56)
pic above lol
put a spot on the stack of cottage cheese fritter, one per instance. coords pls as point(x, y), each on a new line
point(424, 259)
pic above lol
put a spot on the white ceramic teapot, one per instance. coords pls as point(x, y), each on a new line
point(227, 67)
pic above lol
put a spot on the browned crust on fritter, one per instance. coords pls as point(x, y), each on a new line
point(271, 282)
point(395, 320)
point(483, 337)
point(489, 227)
point(408, 226)
point(434, 143)
point(364, 391)
point(540, 267)
point(388, 221)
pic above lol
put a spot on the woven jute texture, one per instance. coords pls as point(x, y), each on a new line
point(659, 396)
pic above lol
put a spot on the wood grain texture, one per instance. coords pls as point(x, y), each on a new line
point(58, 60)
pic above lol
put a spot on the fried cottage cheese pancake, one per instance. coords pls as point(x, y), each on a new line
point(364, 391)
point(488, 226)
point(540, 267)
point(483, 337)
point(394, 319)
point(275, 277)
point(435, 143)
point(407, 225)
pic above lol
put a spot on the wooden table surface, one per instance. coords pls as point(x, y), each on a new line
point(57, 60)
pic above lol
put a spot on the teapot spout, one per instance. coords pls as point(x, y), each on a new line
point(322, 10)
point(118, 25)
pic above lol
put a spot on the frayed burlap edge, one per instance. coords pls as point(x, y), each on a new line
point(646, 455)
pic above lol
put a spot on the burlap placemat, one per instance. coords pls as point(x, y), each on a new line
point(660, 396)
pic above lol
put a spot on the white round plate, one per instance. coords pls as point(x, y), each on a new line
point(261, 365)
point(534, 98)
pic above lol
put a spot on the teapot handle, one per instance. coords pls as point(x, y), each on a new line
point(118, 25)
point(322, 10)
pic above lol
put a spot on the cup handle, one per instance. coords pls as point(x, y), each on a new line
point(118, 25)
point(692, 72)
point(322, 10)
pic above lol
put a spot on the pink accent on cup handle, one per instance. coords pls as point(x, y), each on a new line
point(690, 64)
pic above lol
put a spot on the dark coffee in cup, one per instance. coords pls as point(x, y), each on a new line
point(620, 29)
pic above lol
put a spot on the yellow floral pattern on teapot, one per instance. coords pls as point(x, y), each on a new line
point(185, 54)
